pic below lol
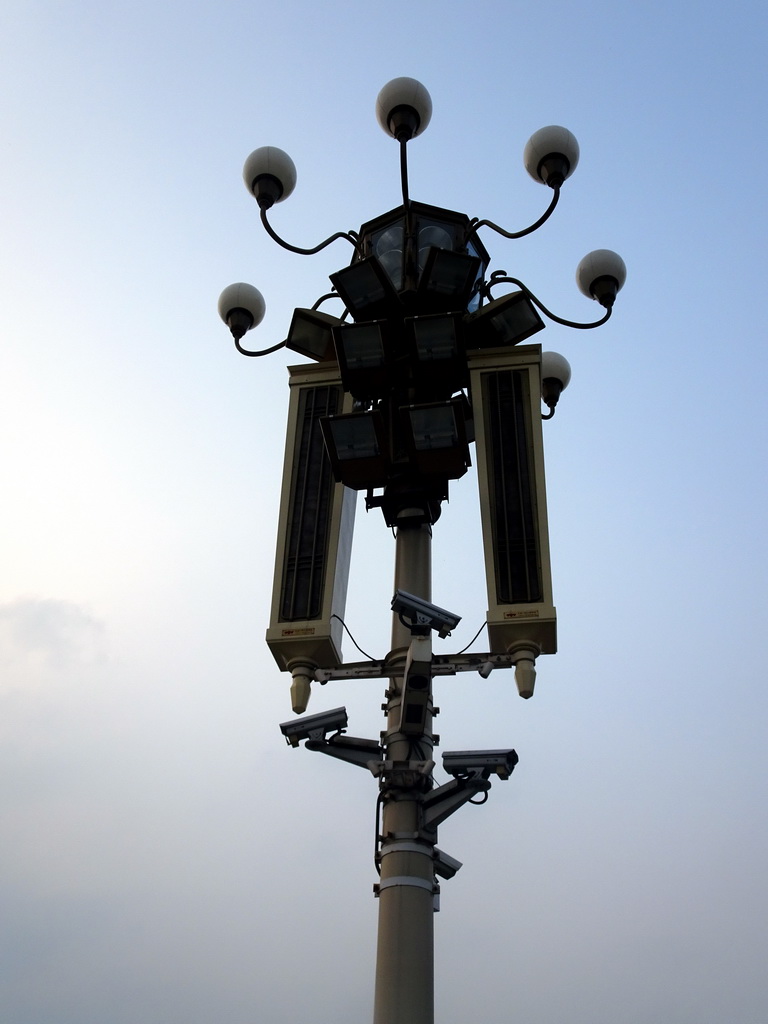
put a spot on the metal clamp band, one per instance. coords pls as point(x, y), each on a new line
point(403, 846)
point(416, 883)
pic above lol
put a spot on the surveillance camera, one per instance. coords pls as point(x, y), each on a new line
point(423, 615)
point(445, 865)
point(468, 763)
point(314, 727)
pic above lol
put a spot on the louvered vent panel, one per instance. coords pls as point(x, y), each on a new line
point(512, 487)
point(309, 515)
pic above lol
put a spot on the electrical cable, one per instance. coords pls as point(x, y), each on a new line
point(477, 634)
point(357, 645)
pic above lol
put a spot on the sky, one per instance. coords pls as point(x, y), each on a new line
point(164, 855)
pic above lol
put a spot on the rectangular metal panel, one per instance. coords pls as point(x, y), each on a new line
point(315, 527)
point(505, 392)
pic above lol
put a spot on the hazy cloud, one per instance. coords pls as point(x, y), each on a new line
point(52, 633)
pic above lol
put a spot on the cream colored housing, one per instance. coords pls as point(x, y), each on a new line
point(314, 534)
point(505, 391)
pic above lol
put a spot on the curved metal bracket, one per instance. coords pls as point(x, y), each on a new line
point(499, 277)
point(475, 223)
point(261, 352)
point(352, 237)
point(324, 298)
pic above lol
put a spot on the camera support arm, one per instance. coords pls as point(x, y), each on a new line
point(364, 753)
point(443, 801)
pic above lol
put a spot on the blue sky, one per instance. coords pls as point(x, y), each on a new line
point(164, 855)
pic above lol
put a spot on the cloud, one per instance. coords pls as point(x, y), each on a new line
point(48, 633)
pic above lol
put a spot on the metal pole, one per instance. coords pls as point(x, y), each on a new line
point(405, 955)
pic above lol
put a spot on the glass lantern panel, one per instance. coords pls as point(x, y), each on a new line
point(432, 235)
point(474, 302)
point(387, 246)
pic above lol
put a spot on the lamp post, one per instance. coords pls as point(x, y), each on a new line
point(424, 360)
